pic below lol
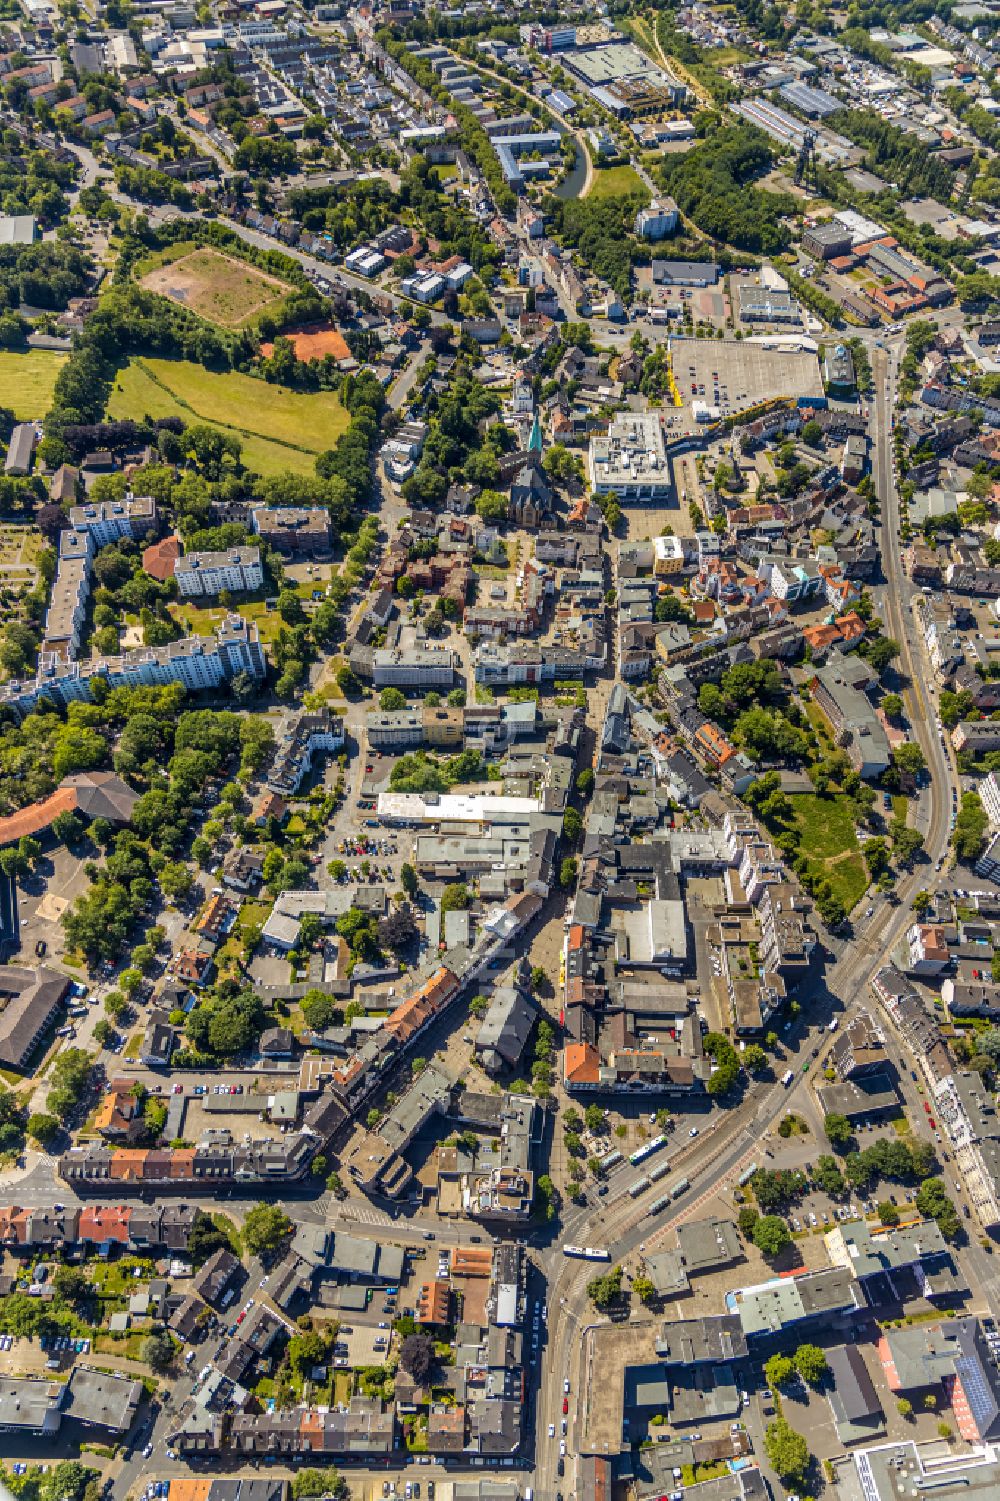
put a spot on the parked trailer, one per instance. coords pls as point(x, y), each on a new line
point(659, 1172)
point(681, 1186)
point(588, 1253)
point(641, 1153)
point(639, 1186)
point(744, 1178)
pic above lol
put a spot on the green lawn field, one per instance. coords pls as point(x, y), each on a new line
point(27, 382)
point(279, 429)
point(220, 288)
point(828, 842)
point(615, 182)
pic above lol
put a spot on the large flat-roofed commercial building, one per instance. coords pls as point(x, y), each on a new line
point(631, 461)
point(766, 305)
point(772, 1307)
point(18, 229)
point(895, 1472)
point(619, 62)
point(420, 667)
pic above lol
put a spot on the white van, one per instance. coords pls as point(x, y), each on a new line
point(787, 1077)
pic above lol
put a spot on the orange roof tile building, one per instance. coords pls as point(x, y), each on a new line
point(581, 1064)
point(433, 1304)
point(471, 1261)
point(159, 559)
point(420, 1008)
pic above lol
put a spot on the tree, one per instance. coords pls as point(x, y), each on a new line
point(827, 1175)
point(43, 1128)
point(754, 1058)
point(892, 705)
point(73, 1284)
point(771, 1235)
point(545, 1197)
point(158, 1352)
point(811, 1364)
point(595, 1119)
point(398, 928)
point(416, 1356)
point(306, 1350)
point(325, 1482)
point(408, 879)
point(778, 1371)
point(746, 1219)
point(455, 897)
point(567, 872)
point(68, 1481)
point(68, 1080)
point(205, 1238)
point(317, 1010)
point(643, 1288)
point(887, 1212)
point(787, 1451)
point(838, 1130)
point(572, 825)
point(904, 1407)
point(391, 698)
point(934, 1203)
point(971, 824)
point(606, 1289)
point(265, 1229)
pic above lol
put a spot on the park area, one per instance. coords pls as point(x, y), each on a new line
point(219, 288)
point(279, 429)
point(27, 382)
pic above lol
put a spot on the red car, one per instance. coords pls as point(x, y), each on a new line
point(565, 1406)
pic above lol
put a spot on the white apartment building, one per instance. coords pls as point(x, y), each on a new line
point(197, 662)
point(107, 521)
point(989, 792)
point(968, 1115)
point(238, 570)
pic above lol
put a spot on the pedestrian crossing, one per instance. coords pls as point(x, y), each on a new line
point(364, 1214)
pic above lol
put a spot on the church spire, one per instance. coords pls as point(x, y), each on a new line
point(535, 441)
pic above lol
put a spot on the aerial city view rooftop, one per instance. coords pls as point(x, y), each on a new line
point(499, 751)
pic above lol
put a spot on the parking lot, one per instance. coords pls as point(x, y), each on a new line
point(734, 374)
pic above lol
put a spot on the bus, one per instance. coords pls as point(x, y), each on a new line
point(641, 1153)
point(681, 1186)
point(639, 1186)
point(588, 1253)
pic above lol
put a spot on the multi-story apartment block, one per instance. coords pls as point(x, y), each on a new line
point(238, 570)
point(110, 520)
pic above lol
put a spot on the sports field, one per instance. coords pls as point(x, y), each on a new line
point(217, 287)
point(279, 429)
point(28, 380)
